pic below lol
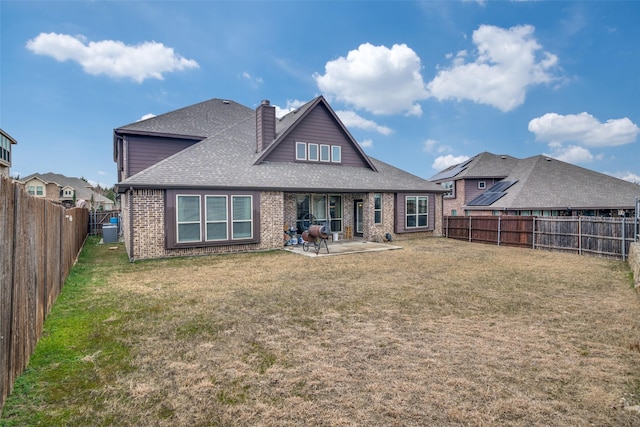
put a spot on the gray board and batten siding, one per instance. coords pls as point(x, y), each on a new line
point(400, 207)
point(146, 151)
point(319, 127)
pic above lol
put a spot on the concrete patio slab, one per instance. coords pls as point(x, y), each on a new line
point(342, 247)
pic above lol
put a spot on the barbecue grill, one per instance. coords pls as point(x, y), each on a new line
point(318, 236)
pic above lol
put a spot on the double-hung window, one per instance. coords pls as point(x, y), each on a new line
point(377, 208)
point(217, 218)
point(241, 212)
point(188, 219)
point(416, 212)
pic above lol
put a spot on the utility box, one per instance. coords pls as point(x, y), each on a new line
point(109, 233)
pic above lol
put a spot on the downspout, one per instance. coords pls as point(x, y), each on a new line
point(131, 259)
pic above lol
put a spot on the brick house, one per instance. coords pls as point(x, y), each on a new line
point(6, 143)
point(219, 177)
point(64, 190)
point(490, 184)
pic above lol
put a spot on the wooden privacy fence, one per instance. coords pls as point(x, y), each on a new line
point(606, 237)
point(99, 218)
point(39, 244)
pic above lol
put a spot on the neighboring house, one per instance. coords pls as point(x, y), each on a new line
point(6, 141)
point(490, 184)
point(64, 190)
point(220, 177)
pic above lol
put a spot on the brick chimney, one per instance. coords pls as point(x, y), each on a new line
point(265, 125)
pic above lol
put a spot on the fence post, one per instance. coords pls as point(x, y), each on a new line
point(499, 230)
point(469, 228)
point(624, 241)
point(579, 235)
point(446, 229)
point(533, 234)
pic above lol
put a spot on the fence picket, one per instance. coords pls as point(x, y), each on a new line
point(583, 235)
point(38, 249)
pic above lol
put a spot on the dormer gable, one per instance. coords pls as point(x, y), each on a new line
point(313, 133)
point(67, 192)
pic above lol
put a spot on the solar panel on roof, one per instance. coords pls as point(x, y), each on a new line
point(486, 199)
point(452, 171)
point(500, 186)
point(492, 194)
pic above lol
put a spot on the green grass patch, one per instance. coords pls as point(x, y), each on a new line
point(79, 352)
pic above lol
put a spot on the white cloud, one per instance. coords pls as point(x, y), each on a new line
point(148, 60)
point(376, 79)
point(627, 176)
point(583, 129)
point(253, 81)
point(145, 117)
point(366, 143)
point(432, 145)
point(508, 62)
point(352, 120)
point(571, 154)
point(444, 162)
point(292, 104)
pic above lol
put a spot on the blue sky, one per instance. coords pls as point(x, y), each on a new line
point(420, 85)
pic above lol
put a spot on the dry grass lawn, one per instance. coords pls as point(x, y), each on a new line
point(440, 332)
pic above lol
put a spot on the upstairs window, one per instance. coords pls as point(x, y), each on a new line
point(336, 154)
point(312, 152)
point(301, 151)
point(450, 187)
point(325, 155)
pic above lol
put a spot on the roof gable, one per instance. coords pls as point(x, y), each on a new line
point(316, 123)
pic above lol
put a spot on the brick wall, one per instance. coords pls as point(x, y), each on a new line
point(455, 203)
point(146, 239)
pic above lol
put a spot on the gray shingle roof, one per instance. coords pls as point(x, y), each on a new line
point(545, 183)
point(483, 165)
point(202, 120)
point(226, 159)
point(83, 189)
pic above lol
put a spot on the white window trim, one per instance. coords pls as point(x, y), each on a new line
point(339, 150)
point(301, 144)
point(327, 147)
point(417, 214)
point(482, 185)
point(317, 156)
